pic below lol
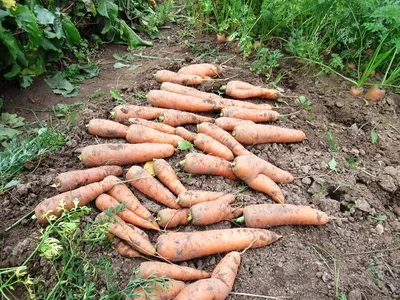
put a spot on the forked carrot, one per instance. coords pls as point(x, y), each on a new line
point(165, 173)
point(155, 291)
point(185, 134)
point(122, 113)
point(229, 124)
point(255, 115)
point(208, 145)
point(189, 198)
point(203, 70)
point(184, 79)
point(142, 134)
point(107, 128)
point(176, 118)
point(171, 218)
point(155, 125)
point(124, 249)
point(227, 269)
point(204, 289)
point(243, 90)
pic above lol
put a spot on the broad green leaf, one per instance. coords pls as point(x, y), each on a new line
point(13, 46)
point(332, 164)
point(71, 33)
point(43, 15)
point(374, 136)
point(380, 218)
point(10, 184)
point(1, 103)
point(61, 86)
point(12, 120)
point(134, 67)
point(108, 9)
point(132, 39)
point(120, 65)
point(26, 20)
point(9, 133)
point(57, 32)
point(184, 145)
point(90, 6)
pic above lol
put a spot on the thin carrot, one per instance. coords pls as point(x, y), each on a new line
point(204, 289)
point(203, 70)
point(123, 154)
point(176, 118)
point(208, 145)
point(106, 128)
point(181, 246)
point(183, 79)
point(185, 134)
point(124, 249)
point(73, 179)
point(189, 198)
point(243, 90)
point(142, 134)
point(122, 113)
point(229, 124)
point(170, 218)
point(155, 125)
point(255, 115)
point(170, 270)
point(197, 163)
point(167, 176)
point(263, 183)
point(80, 197)
point(227, 269)
point(148, 185)
point(155, 291)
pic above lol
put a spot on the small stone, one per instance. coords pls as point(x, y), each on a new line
point(353, 129)
point(354, 295)
point(354, 151)
point(22, 189)
point(396, 210)
point(212, 261)
point(327, 205)
point(387, 183)
point(363, 205)
point(326, 277)
point(339, 104)
point(314, 188)
point(362, 152)
point(392, 288)
point(6, 202)
point(305, 169)
point(319, 274)
point(306, 180)
point(379, 229)
point(72, 143)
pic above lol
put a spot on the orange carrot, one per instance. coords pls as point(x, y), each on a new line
point(176, 118)
point(263, 183)
point(142, 134)
point(167, 176)
point(255, 115)
point(124, 249)
point(202, 70)
point(243, 90)
point(268, 215)
point(80, 197)
point(184, 79)
point(223, 137)
point(204, 289)
point(166, 99)
point(230, 123)
point(258, 134)
point(208, 145)
point(105, 202)
point(106, 128)
point(227, 269)
point(155, 291)
point(73, 179)
point(189, 198)
point(185, 134)
point(197, 163)
point(170, 270)
point(122, 113)
point(155, 125)
point(148, 185)
point(170, 218)
point(181, 246)
point(123, 154)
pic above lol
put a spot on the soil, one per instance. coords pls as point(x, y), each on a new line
point(365, 251)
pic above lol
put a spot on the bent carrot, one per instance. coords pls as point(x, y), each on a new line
point(183, 79)
point(122, 113)
point(123, 154)
point(176, 118)
point(197, 163)
point(106, 128)
point(243, 90)
point(181, 246)
point(170, 218)
point(185, 134)
point(81, 196)
point(73, 179)
point(155, 125)
point(203, 70)
point(189, 198)
point(148, 185)
point(229, 124)
point(170, 270)
point(227, 269)
point(204, 289)
point(223, 137)
point(142, 134)
point(167, 176)
point(263, 183)
point(124, 249)
point(208, 145)
point(255, 115)
point(155, 291)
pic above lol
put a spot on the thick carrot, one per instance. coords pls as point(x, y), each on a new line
point(203, 70)
point(155, 291)
point(176, 118)
point(243, 90)
point(204, 289)
point(189, 198)
point(166, 99)
point(123, 154)
point(263, 183)
point(258, 134)
point(208, 145)
point(106, 128)
point(227, 269)
point(170, 270)
point(184, 79)
point(229, 124)
point(105, 202)
point(142, 134)
point(122, 113)
point(124, 249)
point(148, 185)
point(185, 134)
point(268, 215)
point(170, 218)
point(74, 179)
point(197, 163)
point(255, 115)
point(181, 246)
point(223, 137)
point(81, 196)
point(213, 211)
point(165, 173)
point(155, 125)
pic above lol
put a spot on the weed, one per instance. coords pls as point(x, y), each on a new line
point(333, 164)
point(352, 162)
point(310, 117)
point(305, 103)
point(319, 192)
point(95, 95)
point(265, 61)
point(372, 268)
point(184, 145)
point(242, 188)
point(378, 218)
point(332, 141)
point(206, 52)
point(374, 136)
point(116, 96)
point(8, 127)
point(188, 178)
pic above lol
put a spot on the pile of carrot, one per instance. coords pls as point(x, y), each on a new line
point(151, 134)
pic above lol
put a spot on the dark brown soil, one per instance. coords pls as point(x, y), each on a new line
point(290, 267)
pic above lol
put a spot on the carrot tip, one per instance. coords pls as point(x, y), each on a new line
point(190, 218)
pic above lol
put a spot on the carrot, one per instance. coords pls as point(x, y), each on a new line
point(202, 70)
point(181, 246)
point(148, 185)
point(204, 289)
point(230, 123)
point(208, 145)
point(227, 269)
point(133, 237)
point(155, 291)
point(374, 93)
point(255, 115)
point(105, 202)
point(155, 125)
point(74, 179)
point(122, 113)
point(263, 183)
point(170, 218)
point(189, 198)
point(106, 128)
point(197, 163)
point(124, 249)
point(223, 137)
point(185, 134)
point(142, 134)
point(251, 134)
point(184, 79)
point(123, 154)
point(243, 90)
point(355, 91)
point(268, 215)
point(176, 101)
point(167, 176)
point(170, 270)
point(176, 118)
point(80, 197)
point(213, 211)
